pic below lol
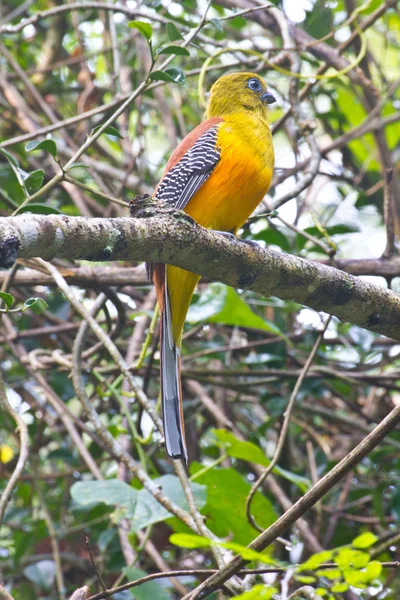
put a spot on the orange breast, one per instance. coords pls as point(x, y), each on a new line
point(239, 181)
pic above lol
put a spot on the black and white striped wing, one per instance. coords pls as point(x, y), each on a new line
point(185, 178)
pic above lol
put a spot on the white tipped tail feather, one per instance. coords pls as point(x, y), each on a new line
point(171, 389)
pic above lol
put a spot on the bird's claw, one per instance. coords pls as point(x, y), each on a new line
point(227, 234)
point(231, 236)
point(250, 243)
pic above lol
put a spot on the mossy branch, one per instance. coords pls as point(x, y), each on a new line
point(169, 236)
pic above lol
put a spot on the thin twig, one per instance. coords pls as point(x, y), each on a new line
point(23, 453)
point(389, 214)
point(98, 574)
point(4, 595)
point(82, 593)
point(194, 511)
point(61, 589)
point(201, 572)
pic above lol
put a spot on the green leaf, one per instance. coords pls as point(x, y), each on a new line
point(227, 491)
point(173, 75)
point(192, 541)
point(355, 578)
point(79, 165)
point(258, 592)
point(147, 510)
point(173, 33)
point(302, 483)
point(19, 174)
point(7, 298)
point(144, 28)
point(47, 145)
point(42, 573)
point(217, 23)
point(178, 50)
point(395, 503)
point(177, 75)
point(373, 570)
point(112, 492)
point(316, 560)
point(161, 76)
point(239, 449)
point(39, 209)
point(110, 130)
point(222, 304)
point(329, 573)
point(105, 538)
point(319, 20)
point(11, 185)
point(10, 157)
point(247, 553)
point(338, 229)
point(37, 305)
point(305, 578)
point(348, 557)
point(365, 540)
point(34, 181)
point(339, 587)
point(273, 237)
point(145, 591)
point(189, 540)
point(368, 7)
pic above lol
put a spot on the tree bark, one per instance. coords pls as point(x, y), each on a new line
point(170, 236)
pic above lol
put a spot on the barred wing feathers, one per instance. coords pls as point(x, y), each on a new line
point(188, 168)
point(184, 178)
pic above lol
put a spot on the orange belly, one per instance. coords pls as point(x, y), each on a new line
point(235, 188)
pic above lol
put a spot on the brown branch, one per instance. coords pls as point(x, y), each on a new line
point(200, 572)
point(4, 595)
point(121, 276)
point(81, 594)
point(172, 237)
point(56, 10)
point(86, 276)
point(389, 211)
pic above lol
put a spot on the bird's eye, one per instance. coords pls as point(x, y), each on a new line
point(254, 84)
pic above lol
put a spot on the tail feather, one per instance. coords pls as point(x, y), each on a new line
point(171, 390)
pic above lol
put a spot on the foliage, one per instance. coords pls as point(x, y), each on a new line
point(64, 73)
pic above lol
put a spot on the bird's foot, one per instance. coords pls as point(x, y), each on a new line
point(231, 236)
point(250, 243)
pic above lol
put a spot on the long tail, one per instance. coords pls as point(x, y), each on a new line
point(171, 389)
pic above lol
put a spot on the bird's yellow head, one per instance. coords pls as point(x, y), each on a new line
point(238, 92)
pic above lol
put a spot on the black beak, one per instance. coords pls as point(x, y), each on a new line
point(268, 98)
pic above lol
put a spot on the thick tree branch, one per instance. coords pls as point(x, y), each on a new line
point(122, 276)
point(172, 237)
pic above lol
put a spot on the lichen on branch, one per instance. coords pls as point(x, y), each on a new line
point(169, 236)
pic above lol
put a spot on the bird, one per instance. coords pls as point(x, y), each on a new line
point(218, 175)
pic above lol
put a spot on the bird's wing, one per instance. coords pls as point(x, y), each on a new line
point(188, 168)
point(190, 165)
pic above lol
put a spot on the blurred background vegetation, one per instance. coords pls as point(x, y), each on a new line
point(64, 69)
